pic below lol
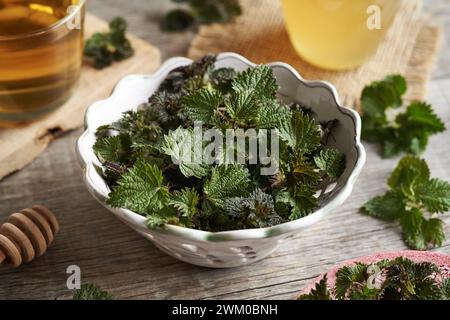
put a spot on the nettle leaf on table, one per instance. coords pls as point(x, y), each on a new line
point(434, 195)
point(413, 199)
point(388, 207)
point(391, 125)
point(410, 172)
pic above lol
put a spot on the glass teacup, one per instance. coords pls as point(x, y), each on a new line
point(41, 53)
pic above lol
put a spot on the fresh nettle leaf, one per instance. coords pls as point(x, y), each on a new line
point(388, 207)
point(242, 106)
point(434, 195)
point(303, 200)
point(105, 48)
point(397, 279)
point(200, 12)
point(301, 133)
point(303, 173)
point(331, 162)
point(115, 149)
point(141, 189)
point(381, 95)
point(385, 123)
point(91, 292)
point(227, 181)
point(347, 276)
point(413, 200)
point(186, 202)
point(181, 146)
point(272, 114)
point(259, 80)
point(153, 158)
point(410, 172)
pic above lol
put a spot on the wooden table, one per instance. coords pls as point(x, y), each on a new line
point(117, 259)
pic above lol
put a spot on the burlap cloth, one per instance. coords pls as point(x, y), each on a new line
point(259, 34)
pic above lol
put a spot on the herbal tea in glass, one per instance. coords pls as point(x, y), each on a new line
point(338, 34)
point(41, 52)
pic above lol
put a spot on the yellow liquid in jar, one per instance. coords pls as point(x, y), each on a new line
point(39, 67)
point(334, 34)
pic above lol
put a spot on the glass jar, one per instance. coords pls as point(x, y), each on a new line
point(338, 34)
point(41, 53)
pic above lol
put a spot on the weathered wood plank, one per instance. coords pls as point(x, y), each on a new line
point(117, 259)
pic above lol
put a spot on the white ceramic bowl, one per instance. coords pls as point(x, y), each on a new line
point(230, 248)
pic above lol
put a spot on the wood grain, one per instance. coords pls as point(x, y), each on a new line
point(117, 259)
point(21, 145)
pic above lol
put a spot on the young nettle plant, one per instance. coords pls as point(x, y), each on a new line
point(414, 200)
point(219, 186)
point(395, 127)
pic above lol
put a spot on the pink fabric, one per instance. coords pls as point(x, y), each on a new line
point(440, 259)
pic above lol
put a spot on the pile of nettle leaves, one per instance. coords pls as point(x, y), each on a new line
point(136, 153)
point(398, 279)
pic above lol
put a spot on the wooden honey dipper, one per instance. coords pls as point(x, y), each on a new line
point(27, 235)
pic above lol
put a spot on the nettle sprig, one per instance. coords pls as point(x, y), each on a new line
point(398, 279)
point(414, 199)
point(103, 48)
point(142, 163)
point(395, 127)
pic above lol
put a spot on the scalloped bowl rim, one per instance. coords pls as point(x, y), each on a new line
point(138, 221)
